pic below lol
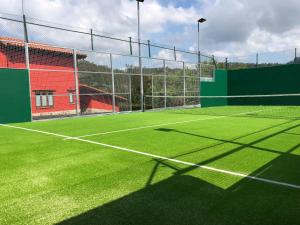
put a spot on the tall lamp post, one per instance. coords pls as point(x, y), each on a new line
point(140, 59)
point(201, 20)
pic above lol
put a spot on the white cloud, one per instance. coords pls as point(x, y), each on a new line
point(168, 54)
point(233, 27)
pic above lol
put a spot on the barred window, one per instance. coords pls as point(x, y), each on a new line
point(44, 99)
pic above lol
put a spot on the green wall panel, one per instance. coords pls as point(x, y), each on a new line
point(263, 81)
point(14, 96)
point(216, 88)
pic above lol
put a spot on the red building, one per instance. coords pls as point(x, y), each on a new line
point(52, 79)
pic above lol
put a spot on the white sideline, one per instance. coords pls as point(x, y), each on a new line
point(161, 157)
point(166, 124)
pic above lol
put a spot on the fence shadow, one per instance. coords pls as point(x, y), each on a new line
point(184, 199)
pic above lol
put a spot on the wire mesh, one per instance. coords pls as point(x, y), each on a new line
point(57, 34)
point(12, 54)
point(11, 26)
point(153, 73)
point(52, 81)
point(175, 82)
point(95, 83)
point(192, 84)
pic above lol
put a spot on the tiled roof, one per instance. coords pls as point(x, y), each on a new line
point(36, 45)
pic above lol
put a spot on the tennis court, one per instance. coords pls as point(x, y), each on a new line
point(217, 165)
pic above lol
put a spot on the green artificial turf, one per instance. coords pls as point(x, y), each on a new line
point(47, 179)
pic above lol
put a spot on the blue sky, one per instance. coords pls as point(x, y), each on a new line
point(179, 3)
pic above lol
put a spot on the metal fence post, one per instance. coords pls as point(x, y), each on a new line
point(27, 62)
point(76, 82)
point(130, 45)
point(295, 60)
point(113, 83)
point(92, 40)
point(152, 86)
point(184, 83)
point(226, 63)
point(256, 59)
point(200, 74)
point(149, 48)
point(165, 82)
point(214, 62)
point(130, 94)
point(25, 29)
point(175, 57)
point(199, 62)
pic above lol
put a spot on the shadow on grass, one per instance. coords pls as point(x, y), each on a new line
point(184, 199)
point(234, 140)
point(284, 112)
point(189, 200)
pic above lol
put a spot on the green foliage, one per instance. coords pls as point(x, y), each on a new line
point(101, 79)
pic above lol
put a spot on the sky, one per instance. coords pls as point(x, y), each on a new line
point(233, 27)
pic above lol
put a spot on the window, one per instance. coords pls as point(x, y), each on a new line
point(50, 100)
point(38, 101)
point(71, 98)
point(44, 99)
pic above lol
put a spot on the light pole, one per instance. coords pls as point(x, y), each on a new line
point(201, 20)
point(23, 7)
point(140, 59)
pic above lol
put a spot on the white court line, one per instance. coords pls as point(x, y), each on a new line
point(162, 157)
point(166, 124)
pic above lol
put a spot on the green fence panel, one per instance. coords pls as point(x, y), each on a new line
point(14, 96)
point(218, 87)
point(264, 81)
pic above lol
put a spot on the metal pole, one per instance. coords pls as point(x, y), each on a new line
point(149, 48)
point(140, 59)
point(23, 7)
point(214, 61)
point(199, 62)
point(76, 82)
point(130, 94)
point(27, 61)
point(226, 63)
point(295, 60)
point(200, 68)
point(184, 84)
point(199, 55)
point(112, 83)
point(130, 45)
point(256, 59)
point(175, 57)
point(92, 40)
point(165, 82)
point(25, 29)
point(152, 91)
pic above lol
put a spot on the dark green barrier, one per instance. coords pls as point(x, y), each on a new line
point(264, 81)
point(14, 96)
point(216, 88)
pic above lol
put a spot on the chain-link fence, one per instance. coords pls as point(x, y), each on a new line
point(69, 82)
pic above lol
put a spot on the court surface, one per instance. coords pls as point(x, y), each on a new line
point(219, 165)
